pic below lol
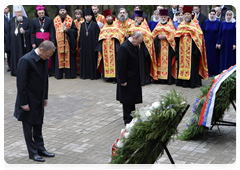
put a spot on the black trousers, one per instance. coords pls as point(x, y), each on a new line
point(8, 59)
point(127, 109)
point(33, 137)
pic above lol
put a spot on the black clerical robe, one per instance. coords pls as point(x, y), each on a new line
point(48, 33)
point(72, 41)
point(89, 56)
point(20, 44)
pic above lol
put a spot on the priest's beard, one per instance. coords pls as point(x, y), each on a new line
point(188, 19)
point(20, 18)
point(163, 22)
point(63, 16)
point(110, 22)
point(137, 23)
point(122, 17)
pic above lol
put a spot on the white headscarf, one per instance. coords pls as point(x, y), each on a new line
point(232, 20)
point(19, 8)
point(154, 19)
point(214, 19)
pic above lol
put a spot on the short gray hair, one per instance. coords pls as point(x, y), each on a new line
point(156, 11)
point(122, 9)
point(137, 34)
point(47, 45)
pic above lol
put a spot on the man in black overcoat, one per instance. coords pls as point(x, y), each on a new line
point(7, 17)
point(129, 90)
point(200, 17)
point(172, 11)
point(18, 37)
point(32, 95)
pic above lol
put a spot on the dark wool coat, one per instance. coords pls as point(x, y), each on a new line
point(128, 71)
point(32, 86)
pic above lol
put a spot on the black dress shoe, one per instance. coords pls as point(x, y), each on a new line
point(8, 69)
point(114, 81)
point(37, 158)
point(46, 154)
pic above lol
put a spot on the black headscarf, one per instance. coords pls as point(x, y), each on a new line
point(61, 7)
point(89, 11)
point(46, 13)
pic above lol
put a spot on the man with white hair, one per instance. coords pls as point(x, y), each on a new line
point(129, 90)
point(164, 35)
point(147, 56)
point(190, 52)
point(123, 21)
point(18, 38)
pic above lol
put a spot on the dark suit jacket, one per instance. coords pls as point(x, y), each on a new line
point(32, 86)
point(128, 71)
point(6, 27)
point(170, 13)
point(145, 16)
point(201, 19)
point(224, 10)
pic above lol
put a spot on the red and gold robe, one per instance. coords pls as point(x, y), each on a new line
point(187, 32)
point(77, 54)
point(63, 61)
point(162, 59)
point(125, 25)
point(107, 34)
point(149, 42)
point(100, 18)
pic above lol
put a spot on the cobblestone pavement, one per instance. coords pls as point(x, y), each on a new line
point(83, 119)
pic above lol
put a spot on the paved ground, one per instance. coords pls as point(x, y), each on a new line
point(83, 119)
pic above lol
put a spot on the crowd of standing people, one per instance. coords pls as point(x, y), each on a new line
point(88, 45)
point(178, 46)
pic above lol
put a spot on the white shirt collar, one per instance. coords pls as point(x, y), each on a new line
point(36, 51)
point(7, 15)
point(174, 10)
point(197, 15)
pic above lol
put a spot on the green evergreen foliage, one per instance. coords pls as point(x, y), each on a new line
point(144, 134)
point(222, 103)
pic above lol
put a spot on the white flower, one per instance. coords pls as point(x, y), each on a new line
point(129, 126)
point(155, 105)
point(120, 143)
point(126, 134)
point(135, 120)
point(148, 113)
